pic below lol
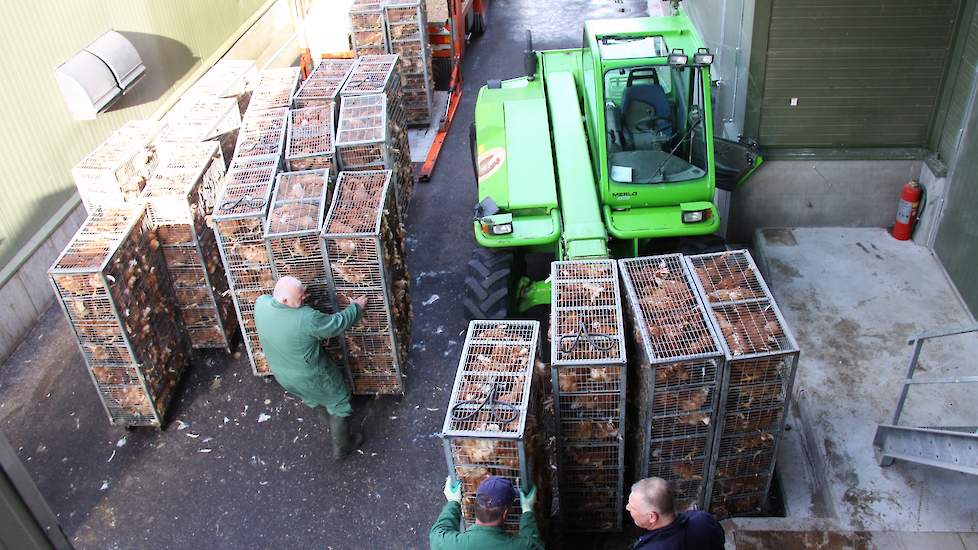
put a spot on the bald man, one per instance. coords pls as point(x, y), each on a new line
point(291, 334)
point(651, 507)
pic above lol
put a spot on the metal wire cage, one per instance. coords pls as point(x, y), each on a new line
point(111, 283)
point(373, 74)
point(262, 133)
point(201, 118)
point(368, 31)
point(322, 86)
point(364, 247)
point(588, 377)
point(368, 139)
point(680, 367)
point(489, 426)
point(309, 145)
point(274, 89)
point(227, 78)
point(239, 225)
point(407, 30)
point(116, 171)
point(762, 358)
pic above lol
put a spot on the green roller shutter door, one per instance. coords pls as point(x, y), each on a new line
point(853, 73)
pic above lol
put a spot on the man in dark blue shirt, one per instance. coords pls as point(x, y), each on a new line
point(650, 505)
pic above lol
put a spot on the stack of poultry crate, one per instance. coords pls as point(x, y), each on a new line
point(322, 87)
point(492, 426)
point(367, 27)
point(111, 282)
point(407, 32)
point(588, 377)
point(368, 138)
point(239, 224)
point(680, 369)
point(228, 78)
point(309, 142)
point(196, 119)
point(378, 74)
point(762, 358)
point(292, 229)
point(274, 89)
point(179, 197)
point(117, 170)
point(364, 243)
point(262, 134)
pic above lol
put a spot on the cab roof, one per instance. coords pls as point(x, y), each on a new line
point(677, 31)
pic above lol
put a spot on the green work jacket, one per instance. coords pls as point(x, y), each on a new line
point(445, 533)
point(291, 339)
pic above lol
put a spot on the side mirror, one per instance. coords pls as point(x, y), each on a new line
point(529, 58)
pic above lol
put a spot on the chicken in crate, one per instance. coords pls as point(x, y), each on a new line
point(364, 244)
point(228, 78)
point(407, 30)
point(367, 30)
point(309, 141)
point(262, 134)
point(322, 87)
point(239, 224)
point(196, 119)
point(274, 89)
point(117, 170)
point(762, 357)
point(111, 283)
point(588, 375)
point(292, 229)
point(680, 364)
point(492, 424)
point(179, 198)
point(368, 139)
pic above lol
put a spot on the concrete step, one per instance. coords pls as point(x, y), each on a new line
point(948, 449)
point(804, 534)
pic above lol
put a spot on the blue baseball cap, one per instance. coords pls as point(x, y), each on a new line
point(495, 492)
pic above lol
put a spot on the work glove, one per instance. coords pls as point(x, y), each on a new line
point(453, 491)
point(527, 500)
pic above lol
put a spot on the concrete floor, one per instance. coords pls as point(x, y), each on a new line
point(852, 298)
point(243, 465)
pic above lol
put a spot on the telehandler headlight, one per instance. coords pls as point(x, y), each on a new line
point(696, 216)
point(499, 224)
point(678, 58)
point(703, 57)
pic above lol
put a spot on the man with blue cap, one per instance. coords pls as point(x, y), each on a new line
point(493, 499)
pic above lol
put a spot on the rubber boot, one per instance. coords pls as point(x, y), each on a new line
point(344, 442)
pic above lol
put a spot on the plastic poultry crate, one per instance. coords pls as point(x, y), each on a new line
point(762, 358)
point(179, 197)
point(367, 28)
point(274, 89)
point(364, 244)
point(262, 134)
point(368, 139)
point(239, 225)
point(322, 87)
point(491, 427)
point(588, 375)
point(309, 145)
point(680, 369)
point(111, 283)
point(116, 171)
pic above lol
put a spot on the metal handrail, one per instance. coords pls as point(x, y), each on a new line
point(918, 342)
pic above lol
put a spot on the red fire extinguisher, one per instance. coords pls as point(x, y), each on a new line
point(906, 215)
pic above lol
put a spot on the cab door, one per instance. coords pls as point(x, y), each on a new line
point(735, 161)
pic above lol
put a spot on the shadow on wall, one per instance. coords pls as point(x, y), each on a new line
point(41, 206)
point(166, 60)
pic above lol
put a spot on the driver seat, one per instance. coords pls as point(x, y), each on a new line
point(641, 102)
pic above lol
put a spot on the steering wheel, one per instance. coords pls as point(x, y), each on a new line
point(650, 124)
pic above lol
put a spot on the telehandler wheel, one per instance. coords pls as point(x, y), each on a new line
point(479, 24)
point(487, 284)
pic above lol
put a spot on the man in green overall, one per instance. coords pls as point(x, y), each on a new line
point(493, 499)
point(291, 335)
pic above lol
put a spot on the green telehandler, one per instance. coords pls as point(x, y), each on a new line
point(598, 152)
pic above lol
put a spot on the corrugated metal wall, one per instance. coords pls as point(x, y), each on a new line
point(862, 73)
point(960, 84)
point(40, 140)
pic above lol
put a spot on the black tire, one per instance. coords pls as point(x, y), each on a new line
point(487, 284)
point(479, 24)
point(706, 244)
